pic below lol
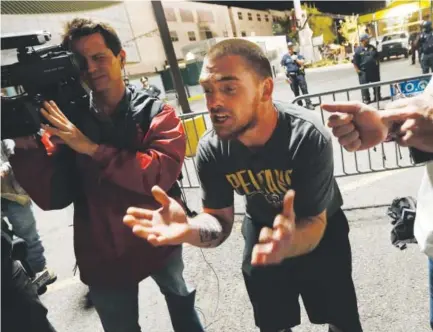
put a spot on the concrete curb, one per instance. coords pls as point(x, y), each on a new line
point(333, 67)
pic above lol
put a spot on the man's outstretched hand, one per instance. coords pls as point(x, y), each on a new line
point(358, 126)
point(167, 225)
point(274, 244)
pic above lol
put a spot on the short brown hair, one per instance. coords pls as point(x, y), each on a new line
point(80, 27)
point(250, 51)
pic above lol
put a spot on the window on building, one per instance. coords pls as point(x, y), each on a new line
point(266, 18)
point(205, 16)
point(174, 37)
point(191, 36)
point(250, 17)
point(208, 34)
point(240, 15)
point(186, 15)
point(170, 14)
point(225, 33)
point(259, 18)
point(243, 34)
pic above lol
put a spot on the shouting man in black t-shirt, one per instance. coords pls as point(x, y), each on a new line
point(266, 151)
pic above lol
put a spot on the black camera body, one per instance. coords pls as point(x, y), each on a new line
point(47, 73)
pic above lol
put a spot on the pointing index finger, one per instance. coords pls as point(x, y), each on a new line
point(342, 107)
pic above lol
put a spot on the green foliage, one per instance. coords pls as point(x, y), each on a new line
point(321, 24)
point(283, 27)
point(349, 29)
point(325, 63)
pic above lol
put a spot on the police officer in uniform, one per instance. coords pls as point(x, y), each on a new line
point(366, 63)
point(413, 42)
point(426, 47)
point(294, 66)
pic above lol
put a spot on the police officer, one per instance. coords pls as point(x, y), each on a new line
point(366, 63)
point(413, 42)
point(426, 47)
point(294, 66)
point(151, 89)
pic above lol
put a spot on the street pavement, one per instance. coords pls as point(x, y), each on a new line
point(391, 284)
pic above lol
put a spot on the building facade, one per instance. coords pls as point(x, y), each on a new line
point(250, 22)
point(189, 22)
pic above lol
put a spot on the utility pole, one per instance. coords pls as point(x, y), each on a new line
point(158, 10)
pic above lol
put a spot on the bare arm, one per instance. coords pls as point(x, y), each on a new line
point(289, 237)
point(309, 232)
point(356, 68)
point(211, 228)
point(5, 166)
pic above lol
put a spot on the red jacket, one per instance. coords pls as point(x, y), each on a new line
point(102, 187)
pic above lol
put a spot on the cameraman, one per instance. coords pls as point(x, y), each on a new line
point(21, 308)
point(293, 64)
point(104, 163)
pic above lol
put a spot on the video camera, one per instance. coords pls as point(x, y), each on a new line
point(48, 73)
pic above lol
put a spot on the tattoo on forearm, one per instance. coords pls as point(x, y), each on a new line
point(209, 234)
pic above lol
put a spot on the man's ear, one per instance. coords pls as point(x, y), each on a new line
point(268, 89)
point(122, 56)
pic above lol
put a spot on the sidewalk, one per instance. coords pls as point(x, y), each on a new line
point(282, 76)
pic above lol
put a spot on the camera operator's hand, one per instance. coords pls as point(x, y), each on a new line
point(416, 114)
point(66, 130)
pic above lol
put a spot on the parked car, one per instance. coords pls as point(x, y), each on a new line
point(394, 44)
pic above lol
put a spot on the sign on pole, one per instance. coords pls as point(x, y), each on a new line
point(410, 88)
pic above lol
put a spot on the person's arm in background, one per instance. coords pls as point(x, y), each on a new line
point(6, 151)
point(358, 126)
point(283, 61)
point(300, 60)
point(356, 61)
point(48, 179)
point(375, 54)
point(157, 91)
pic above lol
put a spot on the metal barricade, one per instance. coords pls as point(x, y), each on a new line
point(384, 157)
point(195, 125)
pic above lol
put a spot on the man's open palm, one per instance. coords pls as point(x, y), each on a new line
point(274, 244)
point(166, 226)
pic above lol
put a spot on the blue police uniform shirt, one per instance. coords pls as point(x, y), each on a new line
point(426, 42)
point(290, 65)
point(366, 58)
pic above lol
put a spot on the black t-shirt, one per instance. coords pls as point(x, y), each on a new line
point(298, 156)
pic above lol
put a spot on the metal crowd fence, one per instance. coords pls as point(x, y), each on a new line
point(386, 156)
point(195, 125)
